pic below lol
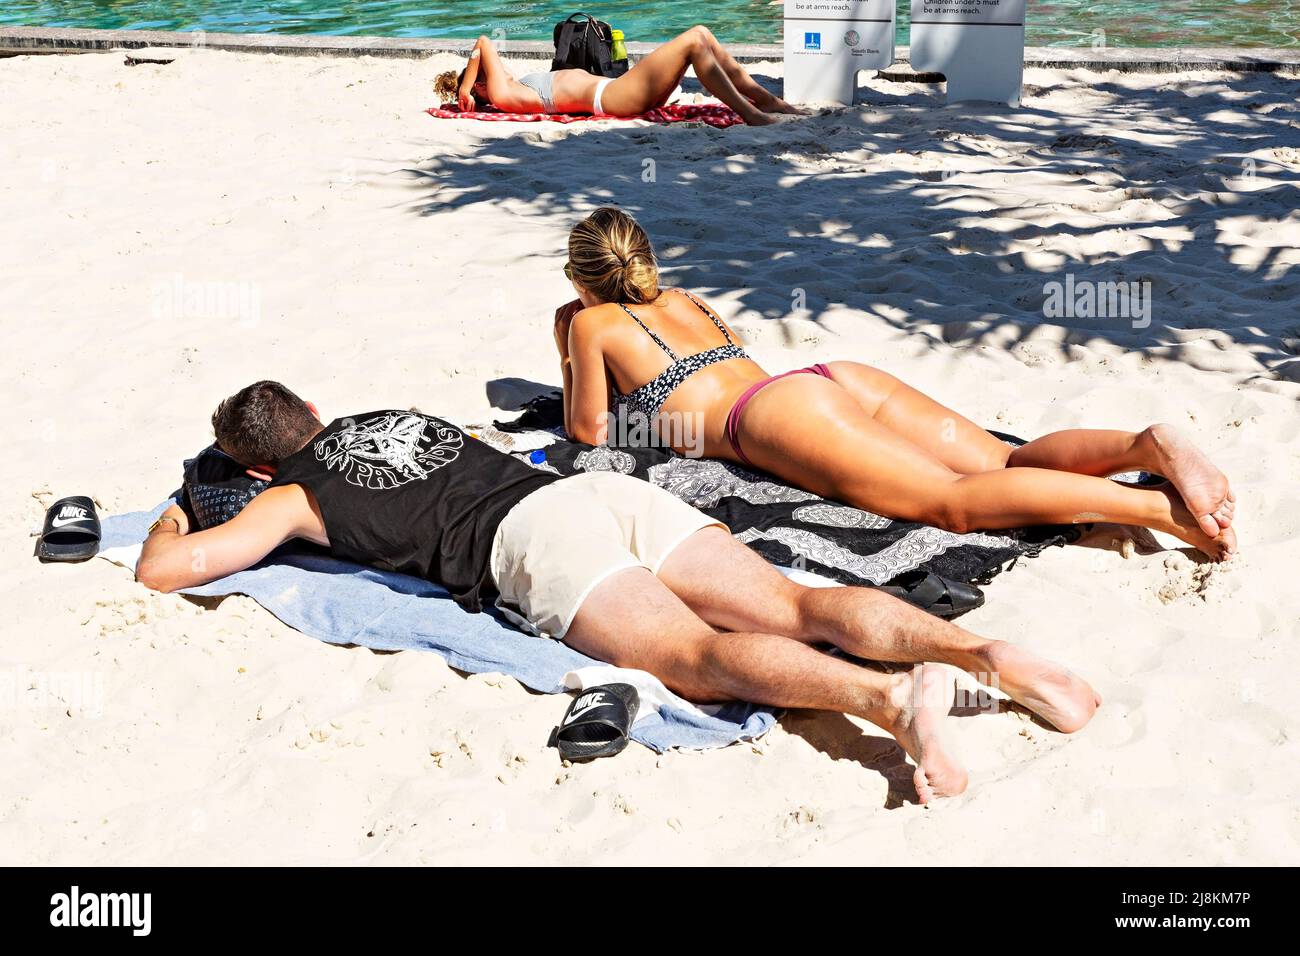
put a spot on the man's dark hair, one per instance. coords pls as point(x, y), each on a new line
point(263, 424)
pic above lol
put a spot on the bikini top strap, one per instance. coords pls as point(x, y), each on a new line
point(716, 321)
point(658, 341)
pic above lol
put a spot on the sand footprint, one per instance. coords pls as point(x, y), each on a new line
point(1121, 722)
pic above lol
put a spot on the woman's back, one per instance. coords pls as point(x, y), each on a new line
point(660, 352)
point(574, 90)
point(674, 356)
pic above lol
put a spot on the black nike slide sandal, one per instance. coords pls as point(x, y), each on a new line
point(71, 531)
point(597, 723)
point(940, 596)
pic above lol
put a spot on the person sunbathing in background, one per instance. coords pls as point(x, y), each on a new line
point(646, 86)
point(615, 567)
point(844, 430)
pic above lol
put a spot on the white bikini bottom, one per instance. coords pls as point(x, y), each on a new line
point(596, 109)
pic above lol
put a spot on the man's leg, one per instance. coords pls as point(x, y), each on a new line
point(729, 586)
point(631, 619)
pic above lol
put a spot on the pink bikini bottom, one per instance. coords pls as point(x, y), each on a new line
point(733, 416)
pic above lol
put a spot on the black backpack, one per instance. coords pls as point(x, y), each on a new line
point(584, 43)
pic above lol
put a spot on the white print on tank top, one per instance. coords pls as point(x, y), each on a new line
point(389, 450)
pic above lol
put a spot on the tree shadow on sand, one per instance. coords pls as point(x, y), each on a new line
point(937, 219)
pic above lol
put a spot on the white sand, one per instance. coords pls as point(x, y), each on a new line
point(370, 256)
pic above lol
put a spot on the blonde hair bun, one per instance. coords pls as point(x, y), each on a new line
point(611, 257)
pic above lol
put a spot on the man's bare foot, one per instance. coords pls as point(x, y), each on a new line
point(1181, 524)
point(923, 697)
point(1203, 487)
point(1061, 698)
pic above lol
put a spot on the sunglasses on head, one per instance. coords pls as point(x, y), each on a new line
point(568, 271)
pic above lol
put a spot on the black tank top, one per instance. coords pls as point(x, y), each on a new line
point(408, 492)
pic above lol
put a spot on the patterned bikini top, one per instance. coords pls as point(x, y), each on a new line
point(650, 397)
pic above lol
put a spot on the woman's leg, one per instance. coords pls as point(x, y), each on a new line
point(958, 442)
point(746, 84)
point(968, 449)
point(1159, 449)
point(653, 79)
point(811, 432)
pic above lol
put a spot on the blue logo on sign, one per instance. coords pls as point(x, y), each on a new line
point(812, 41)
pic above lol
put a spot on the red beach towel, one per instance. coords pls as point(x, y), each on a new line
point(717, 116)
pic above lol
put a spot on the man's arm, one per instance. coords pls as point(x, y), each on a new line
point(173, 559)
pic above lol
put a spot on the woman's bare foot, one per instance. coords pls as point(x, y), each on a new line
point(1061, 698)
point(923, 697)
point(1203, 487)
point(769, 119)
point(781, 106)
point(1180, 523)
point(769, 102)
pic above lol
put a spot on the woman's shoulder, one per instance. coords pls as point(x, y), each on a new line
point(596, 319)
point(686, 296)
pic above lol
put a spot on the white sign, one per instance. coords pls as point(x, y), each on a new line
point(979, 45)
point(828, 41)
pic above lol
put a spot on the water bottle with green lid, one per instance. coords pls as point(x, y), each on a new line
point(620, 48)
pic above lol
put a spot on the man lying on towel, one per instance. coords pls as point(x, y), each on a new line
point(613, 566)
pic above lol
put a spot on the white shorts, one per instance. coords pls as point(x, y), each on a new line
point(561, 541)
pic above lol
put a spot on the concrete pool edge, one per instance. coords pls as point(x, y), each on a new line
point(17, 41)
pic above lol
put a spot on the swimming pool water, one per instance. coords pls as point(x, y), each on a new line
point(1273, 23)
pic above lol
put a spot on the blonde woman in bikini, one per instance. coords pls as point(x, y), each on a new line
point(646, 86)
point(844, 430)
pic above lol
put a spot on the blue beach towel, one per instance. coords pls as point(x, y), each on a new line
point(343, 603)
